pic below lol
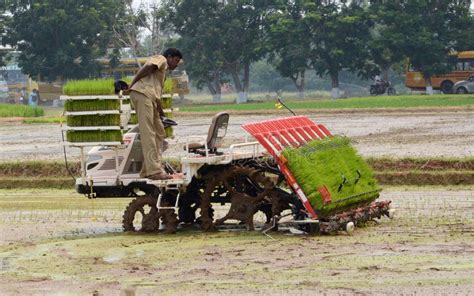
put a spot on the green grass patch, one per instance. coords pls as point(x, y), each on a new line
point(332, 163)
point(39, 168)
point(94, 136)
point(408, 101)
point(9, 110)
point(35, 182)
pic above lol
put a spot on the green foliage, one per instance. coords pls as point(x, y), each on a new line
point(8, 110)
point(340, 33)
point(61, 39)
point(91, 105)
point(218, 37)
point(425, 31)
point(94, 120)
point(356, 103)
point(94, 136)
point(288, 43)
point(328, 162)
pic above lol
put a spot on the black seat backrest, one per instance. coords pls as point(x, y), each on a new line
point(217, 130)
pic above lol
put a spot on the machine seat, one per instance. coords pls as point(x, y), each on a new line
point(215, 135)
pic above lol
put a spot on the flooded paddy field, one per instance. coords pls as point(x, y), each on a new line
point(59, 242)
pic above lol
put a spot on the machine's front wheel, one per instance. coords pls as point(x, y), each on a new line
point(141, 215)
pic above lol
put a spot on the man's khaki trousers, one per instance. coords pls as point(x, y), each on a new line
point(152, 133)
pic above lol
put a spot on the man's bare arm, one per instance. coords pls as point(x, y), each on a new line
point(144, 71)
point(160, 108)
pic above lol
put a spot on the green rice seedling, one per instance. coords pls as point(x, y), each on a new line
point(133, 119)
point(167, 102)
point(93, 120)
point(94, 136)
point(332, 163)
point(91, 105)
point(89, 87)
point(9, 110)
point(169, 130)
point(168, 87)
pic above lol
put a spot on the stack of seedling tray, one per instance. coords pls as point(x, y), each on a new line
point(93, 113)
point(332, 167)
point(95, 119)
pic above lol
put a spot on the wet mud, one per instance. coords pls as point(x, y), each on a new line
point(67, 244)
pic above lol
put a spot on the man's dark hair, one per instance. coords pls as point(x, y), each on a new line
point(172, 52)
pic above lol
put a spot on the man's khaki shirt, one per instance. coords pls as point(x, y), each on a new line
point(152, 85)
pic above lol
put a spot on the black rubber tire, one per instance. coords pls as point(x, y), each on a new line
point(461, 90)
point(373, 90)
point(447, 87)
point(391, 91)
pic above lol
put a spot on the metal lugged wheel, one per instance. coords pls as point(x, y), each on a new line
point(248, 191)
point(142, 215)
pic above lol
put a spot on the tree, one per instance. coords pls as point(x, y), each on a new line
point(288, 43)
point(61, 39)
point(340, 32)
point(2, 31)
point(426, 32)
point(227, 35)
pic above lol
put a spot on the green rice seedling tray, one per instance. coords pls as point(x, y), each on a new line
point(169, 130)
point(74, 136)
point(94, 120)
point(133, 119)
point(75, 105)
point(332, 165)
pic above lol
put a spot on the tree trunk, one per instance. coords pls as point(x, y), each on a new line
point(299, 84)
point(238, 85)
point(429, 86)
point(335, 85)
point(246, 80)
point(217, 82)
point(385, 74)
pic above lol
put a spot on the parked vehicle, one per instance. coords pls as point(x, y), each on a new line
point(464, 86)
point(382, 86)
point(463, 67)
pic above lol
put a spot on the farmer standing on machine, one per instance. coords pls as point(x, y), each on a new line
point(145, 93)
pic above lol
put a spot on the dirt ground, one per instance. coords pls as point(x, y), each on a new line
point(376, 133)
point(57, 242)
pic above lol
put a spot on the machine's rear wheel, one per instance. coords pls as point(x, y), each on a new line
point(248, 191)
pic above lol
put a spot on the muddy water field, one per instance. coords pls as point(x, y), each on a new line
point(59, 242)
